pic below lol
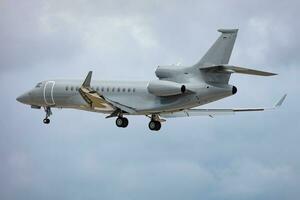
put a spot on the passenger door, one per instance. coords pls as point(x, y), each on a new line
point(48, 93)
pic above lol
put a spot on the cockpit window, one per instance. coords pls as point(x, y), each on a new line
point(39, 85)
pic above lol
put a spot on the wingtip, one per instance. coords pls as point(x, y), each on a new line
point(279, 103)
point(272, 74)
point(87, 80)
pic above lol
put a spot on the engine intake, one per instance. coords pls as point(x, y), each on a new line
point(165, 88)
point(234, 89)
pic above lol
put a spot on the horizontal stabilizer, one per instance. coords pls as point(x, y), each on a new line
point(235, 69)
point(228, 30)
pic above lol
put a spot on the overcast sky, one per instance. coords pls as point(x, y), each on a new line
point(81, 155)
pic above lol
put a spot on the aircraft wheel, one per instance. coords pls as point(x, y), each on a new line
point(122, 122)
point(158, 126)
point(125, 122)
point(46, 121)
point(154, 125)
point(119, 122)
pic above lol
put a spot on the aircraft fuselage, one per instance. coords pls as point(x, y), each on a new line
point(65, 94)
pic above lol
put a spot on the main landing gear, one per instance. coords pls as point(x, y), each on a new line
point(122, 122)
point(154, 124)
point(48, 113)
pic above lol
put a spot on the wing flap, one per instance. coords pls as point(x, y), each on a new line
point(197, 112)
point(216, 112)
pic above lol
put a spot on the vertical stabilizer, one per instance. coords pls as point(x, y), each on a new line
point(220, 51)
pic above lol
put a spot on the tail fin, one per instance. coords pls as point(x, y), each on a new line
point(220, 51)
point(214, 64)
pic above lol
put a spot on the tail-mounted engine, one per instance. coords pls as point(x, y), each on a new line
point(164, 72)
point(165, 88)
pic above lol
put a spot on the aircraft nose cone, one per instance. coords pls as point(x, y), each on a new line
point(24, 98)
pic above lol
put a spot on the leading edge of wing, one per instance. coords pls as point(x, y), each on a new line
point(216, 112)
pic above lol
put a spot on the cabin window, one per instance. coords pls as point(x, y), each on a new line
point(107, 89)
point(72, 88)
point(133, 90)
point(118, 89)
point(77, 88)
point(128, 90)
point(113, 89)
point(97, 89)
point(102, 89)
point(67, 88)
point(124, 90)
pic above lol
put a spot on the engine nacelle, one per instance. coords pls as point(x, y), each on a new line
point(167, 71)
point(165, 88)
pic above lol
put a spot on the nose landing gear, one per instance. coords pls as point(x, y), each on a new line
point(48, 113)
point(46, 121)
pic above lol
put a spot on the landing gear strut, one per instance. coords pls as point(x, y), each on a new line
point(154, 124)
point(48, 113)
point(122, 122)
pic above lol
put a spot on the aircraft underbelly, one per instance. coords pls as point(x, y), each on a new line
point(150, 103)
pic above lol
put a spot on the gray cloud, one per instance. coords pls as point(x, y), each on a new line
point(247, 156)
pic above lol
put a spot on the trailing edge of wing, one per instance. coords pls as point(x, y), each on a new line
point(215, 112)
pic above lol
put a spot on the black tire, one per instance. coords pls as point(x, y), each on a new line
point(151, 125)
point(158, 125)
point(154, 125)
point(125, 122)
point(119, 122)
point(46, 121)
point(122, 122)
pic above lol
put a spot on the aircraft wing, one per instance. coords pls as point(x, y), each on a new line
point(216, 112)
point(98, 101)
